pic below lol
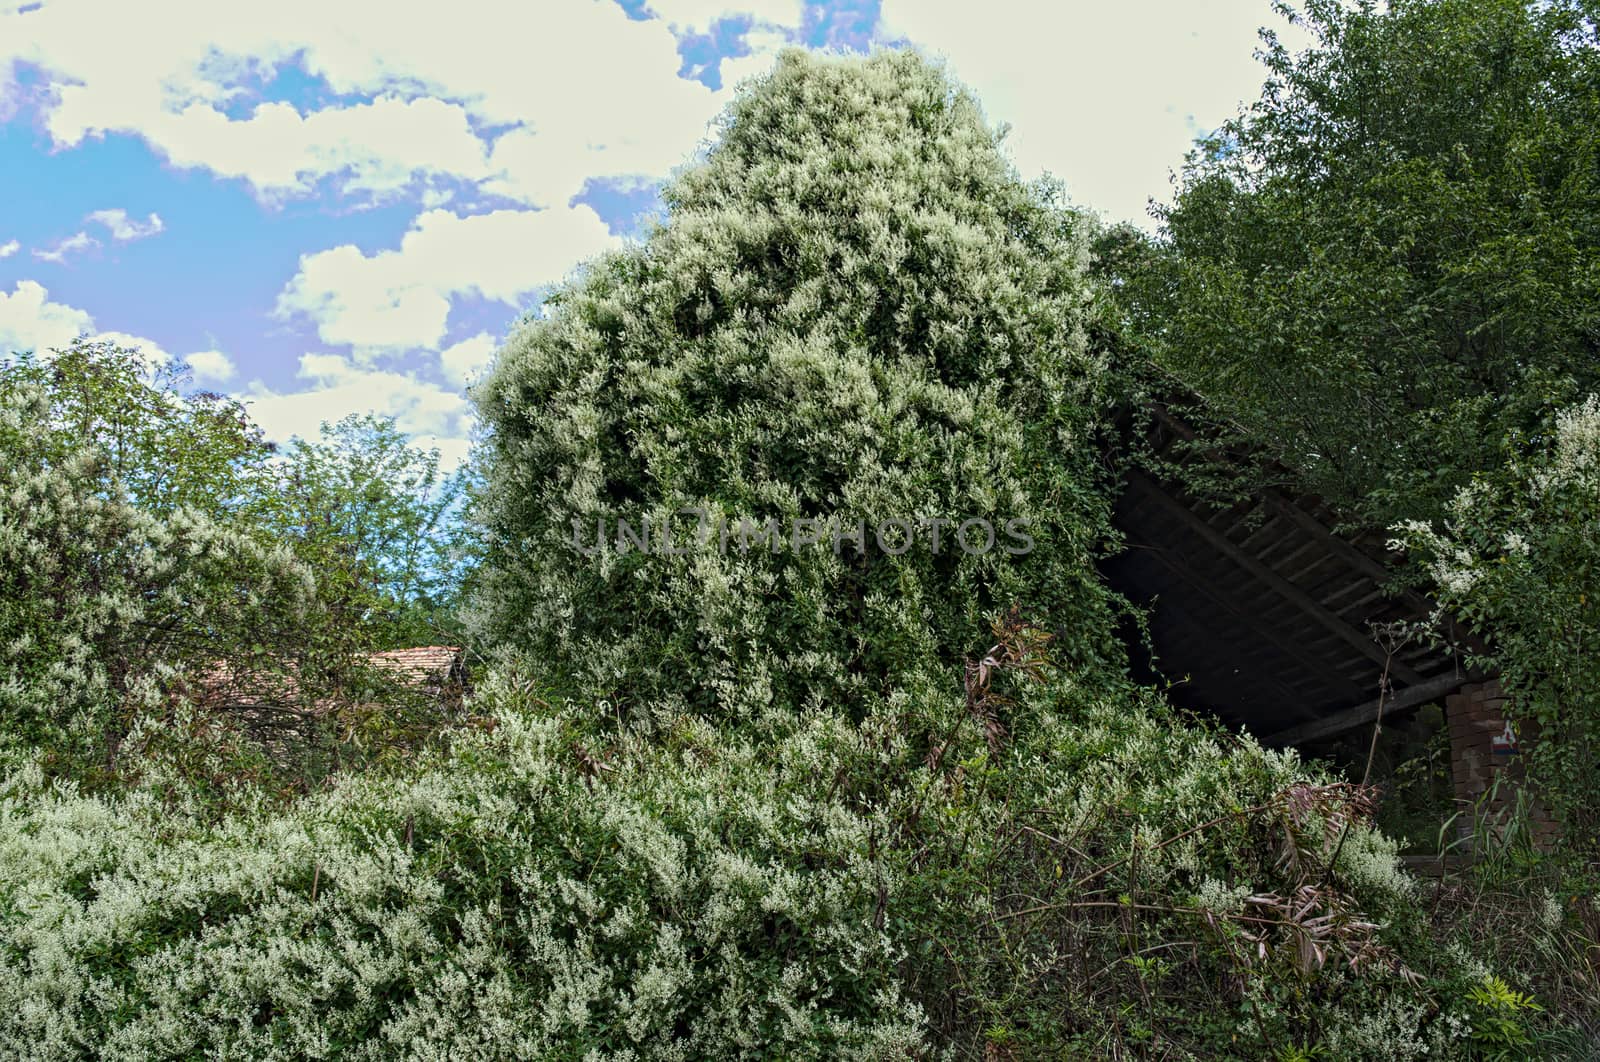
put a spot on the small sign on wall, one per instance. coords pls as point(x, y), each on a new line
point(1505, 742)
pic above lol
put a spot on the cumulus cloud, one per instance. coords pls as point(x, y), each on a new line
point(337, 386)
point(1107, 97)
point(376, 147)
point(9, 248)
point(210, 366)
point(463, 362)
point(124, 228)
point(59, 251)
point(30, 321)
point(400, 299)
point(583, 89)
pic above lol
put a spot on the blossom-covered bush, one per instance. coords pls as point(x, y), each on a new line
point(1518, 556)
point(116, 569)
point(1103, 879)
point(525, 898)
point(854, 312)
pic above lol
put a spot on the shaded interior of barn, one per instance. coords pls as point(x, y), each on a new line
point(1260, 613)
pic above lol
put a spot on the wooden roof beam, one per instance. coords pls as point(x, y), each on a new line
point(1291, 649)
point(1379, 572)
point(1361, 714)
point(1285, 589)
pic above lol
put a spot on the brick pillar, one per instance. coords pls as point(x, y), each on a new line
point(1485, 748)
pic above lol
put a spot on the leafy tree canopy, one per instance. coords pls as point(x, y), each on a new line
point(1388, 263)
point(378, 519)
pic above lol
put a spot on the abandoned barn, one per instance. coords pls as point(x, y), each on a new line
point(1261, 612)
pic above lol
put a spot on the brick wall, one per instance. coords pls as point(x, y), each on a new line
point(1485, 749)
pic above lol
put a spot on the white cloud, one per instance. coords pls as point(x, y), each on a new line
point(124, 228)
point(376, 147)
point(30, 321)
point(118, 225)
point(58, 252)
point(463, 362)
point(337, 387)
point(210, 366)
point(1106, 96)
point(700, 14)
point(590, 91)
point(399, 299)
point(9, 248)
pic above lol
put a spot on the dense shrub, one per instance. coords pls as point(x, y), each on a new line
point(523, 899)
point(1518, 556)
point(853, 312)
point(117, 570)
point(1105, 881)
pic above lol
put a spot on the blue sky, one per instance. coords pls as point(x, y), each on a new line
point(327, 207)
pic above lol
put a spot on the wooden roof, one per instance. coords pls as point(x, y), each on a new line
point(1262, 614)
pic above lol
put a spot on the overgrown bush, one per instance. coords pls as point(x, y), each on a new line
point(854, 312)
point(1518, 556)
point(526, 898)
point(118, 570)
point(1061, 871)
point(756, 803)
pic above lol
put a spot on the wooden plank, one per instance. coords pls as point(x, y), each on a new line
point(1285, 589)
point(1361, 714)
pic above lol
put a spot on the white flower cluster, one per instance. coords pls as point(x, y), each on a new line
point(1577, 448)
point(498, 905)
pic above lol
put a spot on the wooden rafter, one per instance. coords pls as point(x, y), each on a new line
point(1260, 675)
point(1361, 714)
point(1361, 641)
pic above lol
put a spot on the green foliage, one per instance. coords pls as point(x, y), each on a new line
point(376, 518)
point(854, 312)
point(695, 898)
point(717, 804)
point(1389, 260)
point(117, 570)
point(1088, 878)
point(167, 447)
point(1518, 556)
point(1498, 1013)
point(151, 540)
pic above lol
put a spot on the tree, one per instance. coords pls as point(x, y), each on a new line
point(1389, 261)
point(168, 445)
point(120, 570)
point(153, 545)
point(854, 312)
point(378, 519)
